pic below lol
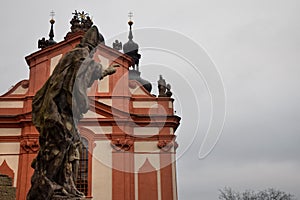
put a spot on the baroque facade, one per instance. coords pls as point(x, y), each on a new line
point(128, 133)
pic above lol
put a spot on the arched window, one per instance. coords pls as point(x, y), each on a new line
point(82, 177)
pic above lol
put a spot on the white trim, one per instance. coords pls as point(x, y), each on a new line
point(103, 85)
point(174, 178)
point(136, 186)
point(149, 147)
point(158, 185)
point(100, 129)
point(145, 104)
point(170, 104)
point(10, 148)
point(53, 62)
point(171, 131)
point(20, 90)
point(11, 104)
point(10, 131)
point(91, 114)
point(146, 131)
point(106, 101)
point(102, 171)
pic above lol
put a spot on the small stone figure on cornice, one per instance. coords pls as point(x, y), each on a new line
point(75, 22)
point(169, 93)
point(164, 89)
point(117, 45)
point(42, 43)
point(87, 23)
point(162, 86)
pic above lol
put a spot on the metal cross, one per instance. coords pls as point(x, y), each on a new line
point(130, 15)
point(52, 14)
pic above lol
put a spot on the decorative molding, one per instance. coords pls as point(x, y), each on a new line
point(21, 88)
point(166, 145)
point(30, 146)
point(121, 144)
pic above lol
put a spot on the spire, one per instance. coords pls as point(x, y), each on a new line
point(43, 43)
point(131, 48)
point(51, 34)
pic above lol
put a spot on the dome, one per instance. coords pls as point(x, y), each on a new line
point(136, 75)
point(130, 46)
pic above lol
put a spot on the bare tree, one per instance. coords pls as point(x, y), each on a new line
point(269, 194)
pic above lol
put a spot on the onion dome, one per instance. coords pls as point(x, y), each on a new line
point(131, 48)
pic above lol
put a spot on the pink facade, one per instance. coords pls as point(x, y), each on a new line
point(129, 132)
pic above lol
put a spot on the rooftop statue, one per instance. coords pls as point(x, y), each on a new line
point(80, 21)
point(56, 110)
point(164, 89)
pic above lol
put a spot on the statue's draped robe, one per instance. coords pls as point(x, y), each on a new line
point(56, 109)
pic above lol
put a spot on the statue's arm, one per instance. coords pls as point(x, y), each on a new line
point(108, 71)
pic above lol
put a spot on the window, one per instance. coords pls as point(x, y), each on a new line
point(82, 177)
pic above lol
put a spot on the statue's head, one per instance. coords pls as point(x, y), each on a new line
point(92, 38)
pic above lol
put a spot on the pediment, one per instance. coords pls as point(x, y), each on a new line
point(20, 89)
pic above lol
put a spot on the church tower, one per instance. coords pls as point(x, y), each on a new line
point(128, 135)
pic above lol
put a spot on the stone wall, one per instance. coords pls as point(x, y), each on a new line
point(7, 191)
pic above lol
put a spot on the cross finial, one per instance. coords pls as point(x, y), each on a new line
point(130, 15)
point(52, 14)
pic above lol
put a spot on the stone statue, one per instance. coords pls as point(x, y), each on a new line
point(117, 45)
point(164, 89)
point(56, 109)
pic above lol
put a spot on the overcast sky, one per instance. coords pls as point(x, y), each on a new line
point(254, 44)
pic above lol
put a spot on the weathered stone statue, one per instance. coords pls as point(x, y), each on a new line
point(164, 89)
point(56, 109)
